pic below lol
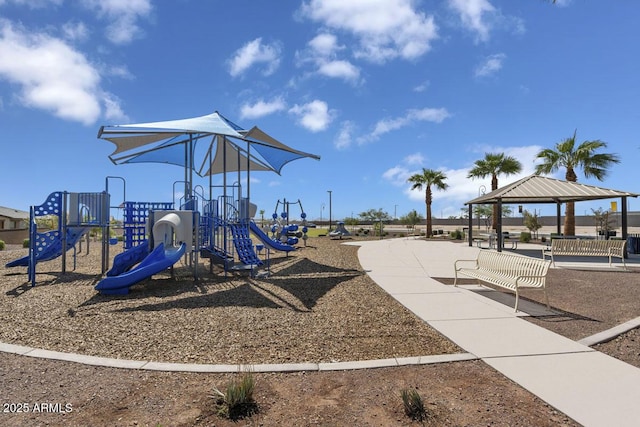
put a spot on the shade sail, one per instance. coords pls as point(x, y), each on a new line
point(540, 189)
point(137, 142)
point(229, 156)
point(263, 151)
point(213, 141)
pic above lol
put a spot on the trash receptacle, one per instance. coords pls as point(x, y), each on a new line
point(633, 244)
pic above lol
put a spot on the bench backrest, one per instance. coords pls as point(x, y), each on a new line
point(588, 247)
point(513, 265)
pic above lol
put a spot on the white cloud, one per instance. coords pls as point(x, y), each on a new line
point(252, 53)
point(385, 29)
point(75, 31)
point(325, 44)
point(340, 69)
point(473, 13)
point(460, 189)
point(262, 108)
point(434, 115)
point(322, 53)
point(414, 159)
point(490, 65)
point(113, 111)
point(345, 136)
point(422, 86)
point(51, 75)
point(123, 16)
point(397, 175)
point(314, 116)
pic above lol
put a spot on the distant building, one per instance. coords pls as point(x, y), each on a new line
point(14, 225)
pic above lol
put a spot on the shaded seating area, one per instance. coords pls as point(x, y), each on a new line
point(536, 189)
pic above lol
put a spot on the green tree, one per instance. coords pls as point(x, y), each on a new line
point(351, 222)
point(411, 219)
point(483, 212)
point(426, 179)
point(493, 165)
point(377, 217)
point(567, 155)
point(532, 222)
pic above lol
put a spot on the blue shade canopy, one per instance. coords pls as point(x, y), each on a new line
point(182, 142)
point(262, 151)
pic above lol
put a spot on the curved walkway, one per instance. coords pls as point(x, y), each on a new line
point(592, 388)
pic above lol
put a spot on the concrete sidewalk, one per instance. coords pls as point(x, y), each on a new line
point(592, 388)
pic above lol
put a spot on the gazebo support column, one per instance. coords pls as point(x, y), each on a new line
point(470, 225)
point(558, 216)
point(624, 224)
point(499, 229)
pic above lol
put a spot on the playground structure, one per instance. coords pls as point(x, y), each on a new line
point(155, 234)
point(284, 231)
point(340, 231)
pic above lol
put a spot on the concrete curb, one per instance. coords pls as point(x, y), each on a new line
point(610, 334)
point(210, 368)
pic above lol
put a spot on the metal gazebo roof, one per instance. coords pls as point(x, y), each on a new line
point(540, 189)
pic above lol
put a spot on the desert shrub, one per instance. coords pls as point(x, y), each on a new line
point(413, 405)
point(525, 236)
point(25, 243)
point(2, 245)
point(237, 401)
point(457, 234)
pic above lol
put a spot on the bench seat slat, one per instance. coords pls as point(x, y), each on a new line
point(575, 247)
point(508, 271)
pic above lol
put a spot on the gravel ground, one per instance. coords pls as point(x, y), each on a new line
point(295, 315)
point(317, 306)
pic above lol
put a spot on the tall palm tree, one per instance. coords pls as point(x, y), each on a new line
point(567, 155)
point(428, 178)
point(494, 165)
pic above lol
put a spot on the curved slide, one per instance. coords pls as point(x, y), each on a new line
point(158, 260)
point(264, 238)
point(53, 249)
point(127, 259)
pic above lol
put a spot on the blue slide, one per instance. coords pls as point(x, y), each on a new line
point(127, 259)
point(264, 238)
point(158, 260)
point(53, 247)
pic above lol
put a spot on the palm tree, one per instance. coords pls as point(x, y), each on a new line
point(567, 155)
point(494, 165)
point(426, 179)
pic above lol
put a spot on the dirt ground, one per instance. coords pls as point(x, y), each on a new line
point(456, 394)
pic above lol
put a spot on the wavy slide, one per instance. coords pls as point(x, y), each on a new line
point(53, 249)
point(268, 241)
point(158, 260)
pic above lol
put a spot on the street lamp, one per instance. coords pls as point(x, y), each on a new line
point(329, 191)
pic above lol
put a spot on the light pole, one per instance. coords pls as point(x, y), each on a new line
point(329, 191)
point(395, 211)
point(321, 211)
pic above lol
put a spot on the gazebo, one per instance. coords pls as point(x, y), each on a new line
point(539, 189)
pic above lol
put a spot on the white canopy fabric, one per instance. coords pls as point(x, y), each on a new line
point(177, 142)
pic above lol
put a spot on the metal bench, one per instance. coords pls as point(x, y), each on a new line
point(508, 271)
point(579, 247)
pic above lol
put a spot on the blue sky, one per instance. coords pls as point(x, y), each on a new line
point(378, 88)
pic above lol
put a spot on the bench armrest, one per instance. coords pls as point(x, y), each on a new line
point(535, 276)
point(455, 264)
